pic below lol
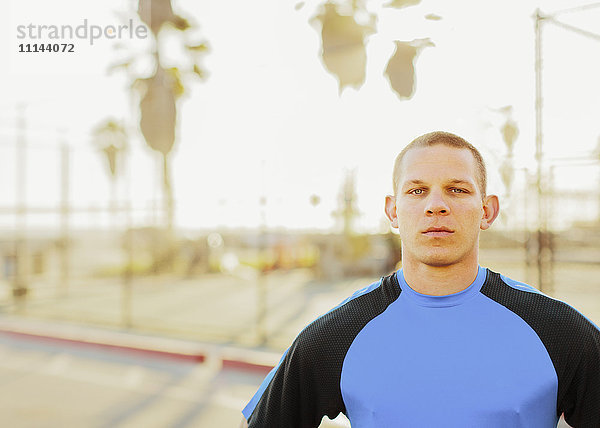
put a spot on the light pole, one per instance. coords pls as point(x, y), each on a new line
point(543, 249)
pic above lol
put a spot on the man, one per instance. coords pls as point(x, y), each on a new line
point(442, 342)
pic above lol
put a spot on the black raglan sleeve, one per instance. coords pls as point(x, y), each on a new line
point(306, 384)
point(580, 401)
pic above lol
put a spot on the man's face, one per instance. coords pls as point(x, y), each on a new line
point(439, 209)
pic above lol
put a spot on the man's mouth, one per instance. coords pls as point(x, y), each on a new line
point(438, 232)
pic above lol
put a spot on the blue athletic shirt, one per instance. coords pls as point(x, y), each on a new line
point(497, 354)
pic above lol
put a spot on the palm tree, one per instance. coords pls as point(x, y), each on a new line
point(111, 139)
point(159, 92)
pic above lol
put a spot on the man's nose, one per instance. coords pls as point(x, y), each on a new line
point(436, 204)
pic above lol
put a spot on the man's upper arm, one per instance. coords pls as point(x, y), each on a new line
point(302, 388)
point(305, 386)
point(581, 403)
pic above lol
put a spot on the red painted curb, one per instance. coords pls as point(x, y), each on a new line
point(179, 356)
point(246, 366)
point(194, 358)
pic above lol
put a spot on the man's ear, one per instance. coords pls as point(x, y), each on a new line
point(390, 210)
point(491, 209)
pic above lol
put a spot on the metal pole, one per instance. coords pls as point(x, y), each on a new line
point(526, 230)
point(64, 220)
point(550, 201)
point(127, 279)
point(261, 286)
point(21, 254)
point(126, 289)
point(545, 247)
point(261, 313)
point(538, 147)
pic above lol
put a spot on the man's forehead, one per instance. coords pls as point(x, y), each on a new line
point(444, 156)
point(415, 179)
point(439, 163)
point(436, 152)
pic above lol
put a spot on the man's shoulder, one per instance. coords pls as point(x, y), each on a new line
point(518, 285)
point(345, 320)
point(542, 312)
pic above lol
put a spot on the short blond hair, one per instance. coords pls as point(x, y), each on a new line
point(447, 139)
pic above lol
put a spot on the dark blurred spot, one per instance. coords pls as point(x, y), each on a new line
point(510, 132)
point(343, 42)
point(433, 17)
point(399, 4)
point(155, 13)
point(400, 69)
point(158, 111)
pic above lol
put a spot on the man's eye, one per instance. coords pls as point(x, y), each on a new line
point(416, 192)
point(455, 190)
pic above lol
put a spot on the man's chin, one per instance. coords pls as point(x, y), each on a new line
point(439, 260)
point(439, 263)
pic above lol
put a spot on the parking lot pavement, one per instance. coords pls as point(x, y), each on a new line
point(57, 385)
point(221, 309)
point(50, 382)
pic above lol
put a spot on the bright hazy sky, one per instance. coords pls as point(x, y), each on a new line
point(269, 119)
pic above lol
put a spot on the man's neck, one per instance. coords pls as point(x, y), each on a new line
point(439, 280)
